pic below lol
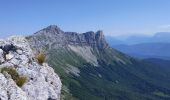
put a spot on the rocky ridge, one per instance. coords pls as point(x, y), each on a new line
point(42, 82)
point(83, 44)
point(54, 37)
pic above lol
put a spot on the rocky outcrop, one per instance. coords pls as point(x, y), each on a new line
point(42, 82)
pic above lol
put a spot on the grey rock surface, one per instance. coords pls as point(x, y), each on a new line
point(42, 82)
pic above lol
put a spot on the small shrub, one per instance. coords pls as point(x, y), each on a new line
point(41, 57)
point(19, 80)
point(10, 71)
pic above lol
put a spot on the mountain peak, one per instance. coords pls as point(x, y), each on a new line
point(51, 29)
point(100, 34)
point(100, 38)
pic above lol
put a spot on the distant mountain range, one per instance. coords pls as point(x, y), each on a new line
point(161, 37)
point(157, 46)
point(146, 50)
point(91, 70)
point(113, 41)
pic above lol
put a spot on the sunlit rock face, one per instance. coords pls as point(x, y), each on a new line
point(42, 83)
point(53, 37)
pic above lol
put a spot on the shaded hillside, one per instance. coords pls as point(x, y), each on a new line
point(159, 62)
point(146, 50)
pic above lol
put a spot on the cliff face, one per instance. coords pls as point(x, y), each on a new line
point(54, 37)
point(41, 82)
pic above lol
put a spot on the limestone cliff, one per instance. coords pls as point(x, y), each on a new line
point(54, 37)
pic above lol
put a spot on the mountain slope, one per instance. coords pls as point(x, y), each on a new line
point(91, 70)
point(161, 62)
point(146, 50)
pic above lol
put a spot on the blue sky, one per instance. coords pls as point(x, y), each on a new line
point(114, 17)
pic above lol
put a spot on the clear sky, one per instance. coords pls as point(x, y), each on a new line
point(114, 17)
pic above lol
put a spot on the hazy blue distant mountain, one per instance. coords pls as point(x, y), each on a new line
point(160, 37)
point(113, 41)
point(157, 46)
point(137, 39)
point(146, 50)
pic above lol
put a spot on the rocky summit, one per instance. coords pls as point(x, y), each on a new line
point(54, 37)
point(22, 77)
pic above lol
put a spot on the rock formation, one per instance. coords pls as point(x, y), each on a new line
point(42, 83)
point(54, 37)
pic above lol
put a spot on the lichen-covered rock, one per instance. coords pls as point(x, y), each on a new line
point(42, 82)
